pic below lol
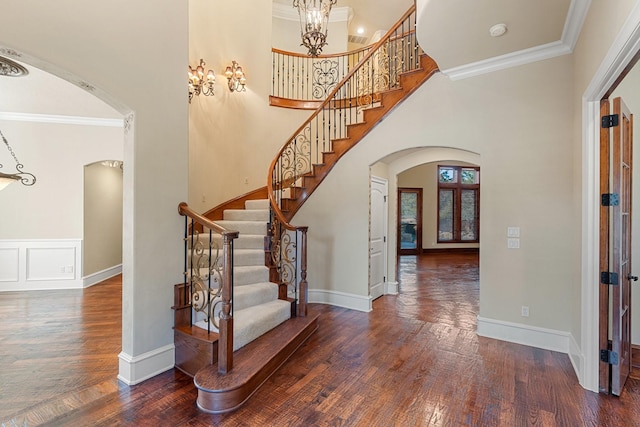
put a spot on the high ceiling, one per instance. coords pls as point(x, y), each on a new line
point(454, 32)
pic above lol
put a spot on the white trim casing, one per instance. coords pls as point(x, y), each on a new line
point(547, 339)
point(340, 299)
point(391, 288)
point(100, 276)
point(63, 120)
point(620, 54)
point(572, 26)
point(136, 369)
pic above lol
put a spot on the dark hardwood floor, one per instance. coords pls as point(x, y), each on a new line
point(414, 361)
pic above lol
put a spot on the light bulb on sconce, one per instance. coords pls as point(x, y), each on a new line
point(199, 83)
point(236, 78)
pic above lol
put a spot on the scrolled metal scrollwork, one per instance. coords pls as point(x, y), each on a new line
point(283, 255)
point(206, 289)
point(326, 76)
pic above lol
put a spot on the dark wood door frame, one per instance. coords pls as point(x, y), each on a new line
point(418, 248)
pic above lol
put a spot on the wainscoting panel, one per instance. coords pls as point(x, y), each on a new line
point(40, 264)
point(9, 265)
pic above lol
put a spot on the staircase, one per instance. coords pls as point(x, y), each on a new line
point(390, 71)
point(252, 282)
point(258, 346)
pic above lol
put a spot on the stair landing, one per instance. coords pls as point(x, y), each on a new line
point(253, 365)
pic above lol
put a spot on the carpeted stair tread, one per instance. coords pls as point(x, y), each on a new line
point(250, 323)
point(242, 275)
point(257, 204)
point(246, 215)
point(244, 227)
point(244, 241)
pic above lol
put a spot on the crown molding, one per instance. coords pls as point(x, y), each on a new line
point(290, 13)
point(573, 25)
point(64, 120)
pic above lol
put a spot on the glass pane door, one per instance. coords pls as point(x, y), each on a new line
point(410, 217)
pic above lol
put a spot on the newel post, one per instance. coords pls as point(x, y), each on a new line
point(303, 295)
point(225, 341)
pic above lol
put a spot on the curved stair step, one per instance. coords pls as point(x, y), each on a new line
point(253, 365)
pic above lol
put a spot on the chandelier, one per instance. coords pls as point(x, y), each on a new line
point(314, 22)
point(25, 178)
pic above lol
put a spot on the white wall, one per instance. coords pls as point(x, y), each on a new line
point(523, 140)
point(425, 176)
point(102, 218)
point(134, 56)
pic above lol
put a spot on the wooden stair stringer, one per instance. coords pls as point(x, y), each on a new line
point(408, 83)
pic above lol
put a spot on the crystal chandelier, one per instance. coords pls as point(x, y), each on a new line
point(25, 178)
point(314, 22)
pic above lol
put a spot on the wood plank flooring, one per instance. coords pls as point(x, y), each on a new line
point(414, 361)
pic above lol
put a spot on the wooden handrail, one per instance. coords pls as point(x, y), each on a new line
point(196, 281)
point(185, 210)
point(376, 46)
point(323, 56)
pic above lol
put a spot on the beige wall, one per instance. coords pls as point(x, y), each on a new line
point(56, 155)
point(426, 177)
point(102, 243)
point(135, 55)
point(523, 140)
point(233, 136)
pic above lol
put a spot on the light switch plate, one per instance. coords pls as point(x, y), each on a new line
point(513, 231)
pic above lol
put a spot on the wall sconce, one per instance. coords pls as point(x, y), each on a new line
point(197, 82)
point(235, 77)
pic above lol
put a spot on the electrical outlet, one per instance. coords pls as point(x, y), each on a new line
point(525, 311)
point(513, 243)
point(246, 180)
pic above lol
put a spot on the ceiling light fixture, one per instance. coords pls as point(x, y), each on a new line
point(197, 82)
point(498, 30)
point(235, 77)
point(25, 178)
point(314, 22)
point(8, 68)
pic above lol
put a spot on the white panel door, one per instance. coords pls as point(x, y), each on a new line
point(378, 237)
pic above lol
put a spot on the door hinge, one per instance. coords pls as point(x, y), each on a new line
point(610, 357)
point(608, 278)
point(610, 121)
point(384, 239)
point(385, 199)
point(384, 279)
point(610, 199)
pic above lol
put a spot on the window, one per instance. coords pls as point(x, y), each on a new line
point(458, 204)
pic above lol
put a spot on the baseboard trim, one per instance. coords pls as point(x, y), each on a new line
point(100, 276)
point(136, 369)
point(340, 299)
point(635, 356)
point(391, 288)
point(547, 339)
